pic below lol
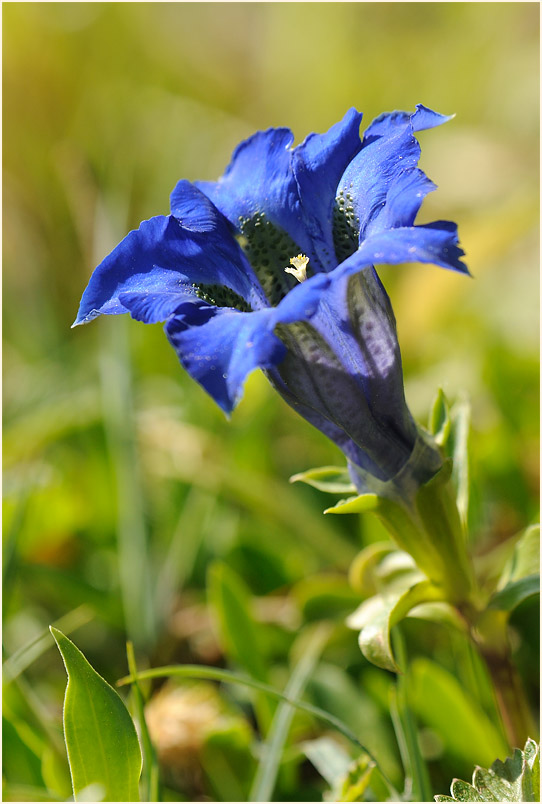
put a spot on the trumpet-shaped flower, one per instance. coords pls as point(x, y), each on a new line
point(272, 267)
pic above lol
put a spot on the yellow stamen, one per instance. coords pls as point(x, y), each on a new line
point(300, 267)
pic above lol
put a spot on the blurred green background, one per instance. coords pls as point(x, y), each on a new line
point(123, 482)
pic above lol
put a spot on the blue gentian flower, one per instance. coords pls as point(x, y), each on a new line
point(272, 267)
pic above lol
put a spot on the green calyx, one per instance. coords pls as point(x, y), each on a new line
point(428, 527)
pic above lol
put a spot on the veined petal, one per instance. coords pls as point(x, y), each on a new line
point(318, 164)
point(150, 308)
point(220, 347)
point(424, 118)
point(292, 189)
point(258, 180)
point(375, 175)
point(403, 200)
point(128, 268)
point(164, 257)
point(195, 211)
point(435, 243)
point(388, 122)
point(343, 364)
point(301, 302)
point(333, 431)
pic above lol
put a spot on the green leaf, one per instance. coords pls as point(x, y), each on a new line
point(101, 740)
point(515, 593)
point(515, 779)
point(463, 791)
point(357, 780)
point(439, 612)
point(377, 616)
point(227, 762)
point(361, 574)
point(329, 758)
point(20, 754)
point(460, 420)
point(439, 420)
point(231, 603)
point(334, 690)
point(361, 504)
point(525, 559)
point(20, 792)
point(441, 703)
point(333, 479)
point(349, 780)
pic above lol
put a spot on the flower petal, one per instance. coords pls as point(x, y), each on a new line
point(318, 164)
point(162, 256)
point(259, 179)
point(403, 200)
point(435, 243)
point(344, 364)
point(150, 308)
point(376, 174)
point(195, 211)
point(329, 428)
point(293, 189)
point(220, 347)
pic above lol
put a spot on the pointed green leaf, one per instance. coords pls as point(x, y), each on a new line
point(515, 593)
point(101, 740)
point(440, 701)
point(333, 479)
point(460, 416)
point(377, 616)
point(439, 420)
point(356, 505)
point(357, 779)
point(526, 557)
point(361, 574)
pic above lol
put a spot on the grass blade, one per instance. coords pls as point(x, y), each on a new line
point(18, 662)
point(216, 674)
point(264, 780)
point(151, 773)
point(405, 729)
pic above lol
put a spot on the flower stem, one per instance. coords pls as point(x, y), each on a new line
point(491, 637)
point(513, 706)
